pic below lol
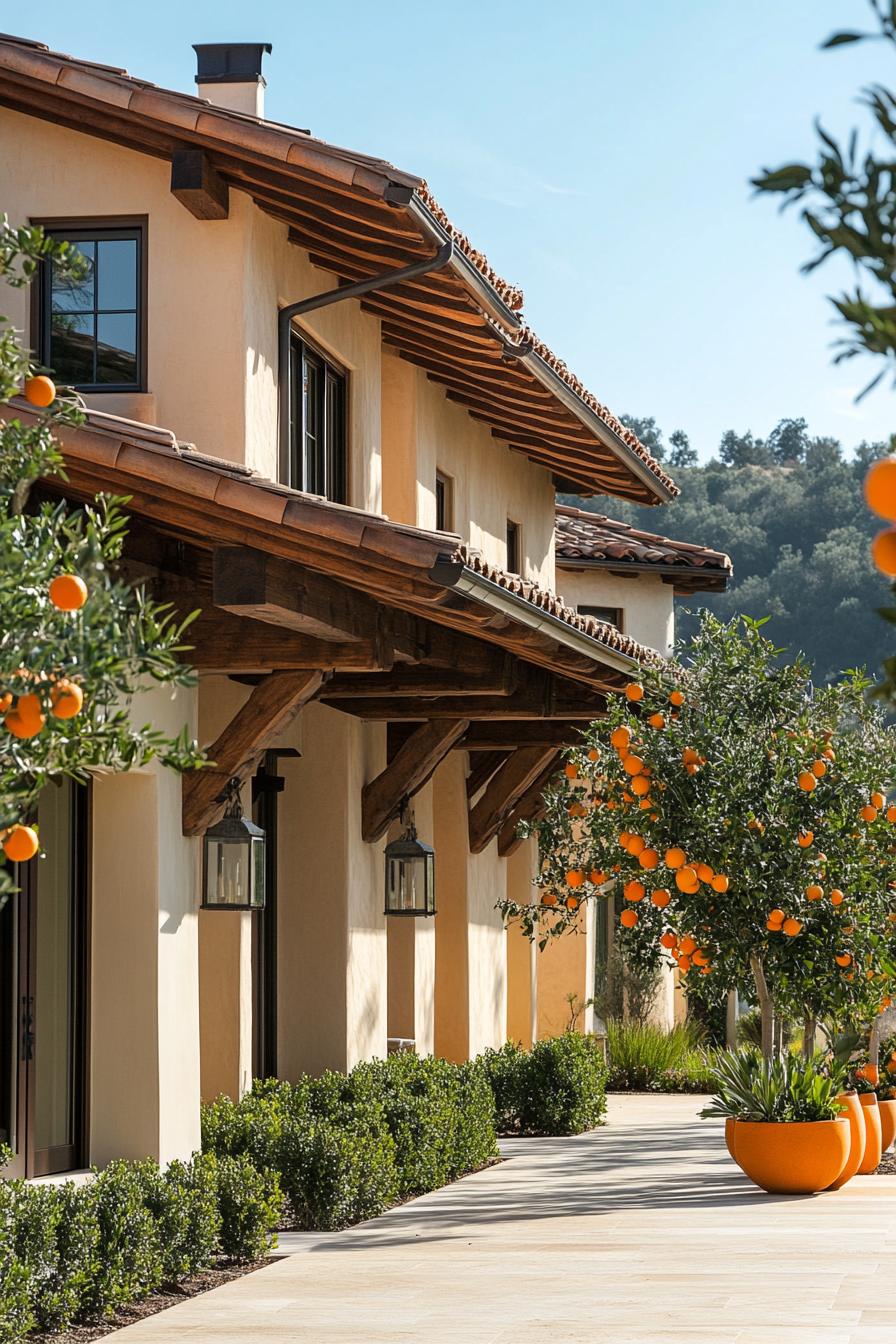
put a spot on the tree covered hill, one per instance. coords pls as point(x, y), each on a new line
point(789, 511)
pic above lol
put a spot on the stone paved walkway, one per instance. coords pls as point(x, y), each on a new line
point(639, 1233)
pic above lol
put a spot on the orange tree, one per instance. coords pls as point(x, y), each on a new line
point(739, 811)
point(75, 642)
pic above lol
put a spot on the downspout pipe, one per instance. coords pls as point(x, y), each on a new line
point(441, 259)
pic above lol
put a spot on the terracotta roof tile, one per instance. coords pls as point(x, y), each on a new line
point(592, 538)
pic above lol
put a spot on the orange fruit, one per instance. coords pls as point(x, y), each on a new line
point(635, 845)
point(883, 551)
point(645, 803)
point(657, 721)
point(844, 959)
point(880, 487)
point(620, 737)
point(792, 927)
point(700, 958)
point(660, 898)
point(837, 896)
point(868, 813)
point(720, 883)
point(807, 781)
point(688, 944)
point(624, 838)
point(40, 391)
point(634, 691)
point(632, 765)
point(777, 916)
point(676, 698)
point(597, 878)
point(819, 768)
point(684, 964)
point(675, 857)
point(648, 858)
point(571, 771)
point(575, 877)
point(891, 813)
point(686, 879)
point(633, 891)
point(704, 872)
point(640, 786)
point(805, 838)
point(20, 843)
point(68, 592)
point(690, 756)
point(572, 902)
point(668, 939)
point(549, 898)
point(773, 925)
point(814, 892)
point(628, 919)
point(594, 754)
point(705, 970)
point(878, 800)
point(67, 698)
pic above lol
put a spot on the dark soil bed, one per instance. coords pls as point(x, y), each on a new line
point(212, 1278)
point(887, 1165)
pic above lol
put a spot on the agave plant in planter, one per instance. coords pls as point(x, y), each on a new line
point(789, 1134)
point(866, 1080)
point(886, 1094)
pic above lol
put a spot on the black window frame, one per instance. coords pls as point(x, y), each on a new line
point(607, 615)
point(319, 467)
point(92, 229)
point(514, 543)
point(444, 493)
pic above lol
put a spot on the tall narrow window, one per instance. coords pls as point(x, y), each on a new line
point(513, 546)
point(317, 424)
point(444, 503)
point(92, 330)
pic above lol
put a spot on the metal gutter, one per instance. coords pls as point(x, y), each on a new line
point(443, 257)
point(454, 574)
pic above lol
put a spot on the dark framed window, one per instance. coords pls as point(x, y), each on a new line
point(92, 332)
point(514, 555)
point(318, 428)
point(444, 503)
point(608, 615)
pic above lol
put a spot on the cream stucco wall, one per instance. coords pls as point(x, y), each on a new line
point(647, 602)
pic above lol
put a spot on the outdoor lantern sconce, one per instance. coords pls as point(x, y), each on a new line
point(410, 872)
point(233, 859)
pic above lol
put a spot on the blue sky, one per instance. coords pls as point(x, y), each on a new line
point(599, 151)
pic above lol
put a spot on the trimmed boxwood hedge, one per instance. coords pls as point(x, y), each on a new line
point(340, 1148)
point(74, 1253)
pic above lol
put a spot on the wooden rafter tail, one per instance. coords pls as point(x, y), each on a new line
point(483, 767)
point(503, 792)
point(412, 766)
point(529, 808)
point(270, 708)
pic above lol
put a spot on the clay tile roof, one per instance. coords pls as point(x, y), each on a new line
point(481, 339)
point(585, 539)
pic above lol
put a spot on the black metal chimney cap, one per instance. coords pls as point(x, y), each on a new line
point(230, 62)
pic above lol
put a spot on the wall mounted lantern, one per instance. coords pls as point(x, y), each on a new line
point(233, 859)
point(410, 872)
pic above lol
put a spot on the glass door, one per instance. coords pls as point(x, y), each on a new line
point(43, 942)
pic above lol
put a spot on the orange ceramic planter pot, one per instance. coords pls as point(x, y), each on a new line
point(855, 1114)
point(729, 1136)
point(873, 1137)
point(887, 1123)
point(792, 1159)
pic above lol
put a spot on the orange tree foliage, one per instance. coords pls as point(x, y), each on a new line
point(740, 812)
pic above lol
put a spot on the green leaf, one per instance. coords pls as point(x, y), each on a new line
point(841, 39)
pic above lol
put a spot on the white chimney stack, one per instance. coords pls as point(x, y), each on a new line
point(229, 75)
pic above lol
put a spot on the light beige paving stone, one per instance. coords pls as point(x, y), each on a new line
point(643, 1232)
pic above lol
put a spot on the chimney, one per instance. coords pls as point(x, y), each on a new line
point(229, 75)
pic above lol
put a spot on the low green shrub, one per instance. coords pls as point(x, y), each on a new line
point(183, 1202)
point(649, 1059)
point(557, 1087)
point(129, 1254)
point(249, 1203)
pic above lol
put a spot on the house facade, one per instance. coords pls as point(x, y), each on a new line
point(341, 446)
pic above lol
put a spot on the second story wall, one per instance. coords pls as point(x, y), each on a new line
point(646, 603)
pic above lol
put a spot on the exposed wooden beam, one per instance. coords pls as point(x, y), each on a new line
point(474, 707)
point(248, 582)
point(494, 676)
point(409, 770)
point(219, 642)
point(271, 707)
point(503, 792)
point(482, 769)
point(505, 735)
point(198, 186)
point(528, 808)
